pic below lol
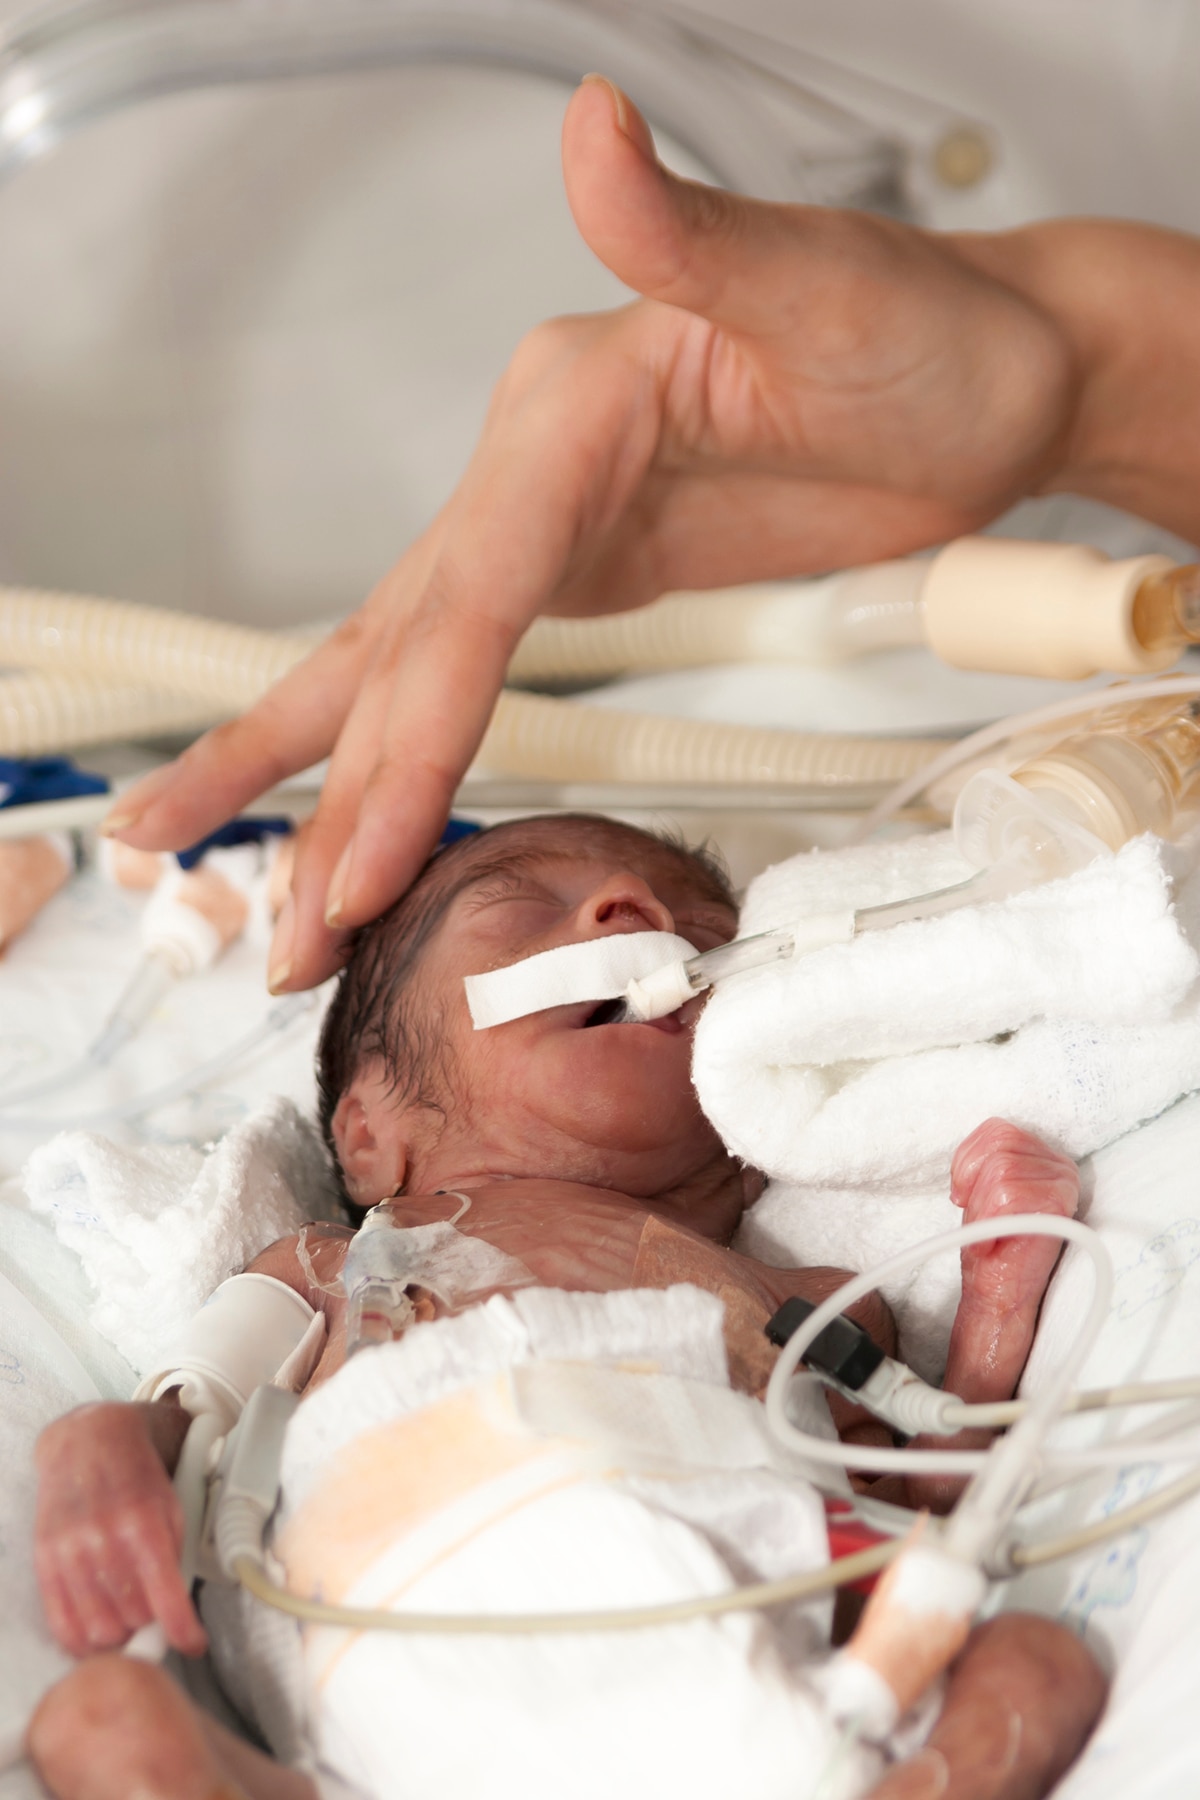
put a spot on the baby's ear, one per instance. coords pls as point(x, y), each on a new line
point(370, 1142)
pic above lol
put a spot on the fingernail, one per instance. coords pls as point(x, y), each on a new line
point(628, 119)
point(279, 962)
point(130, 806)
point(336, 897)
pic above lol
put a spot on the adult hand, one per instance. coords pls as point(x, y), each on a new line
point(800, 389)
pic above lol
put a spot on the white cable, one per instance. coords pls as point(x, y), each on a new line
point(1095, 700)
point(930, 1462)
point(957, 1415)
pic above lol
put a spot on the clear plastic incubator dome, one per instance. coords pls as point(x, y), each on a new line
point(263, 264)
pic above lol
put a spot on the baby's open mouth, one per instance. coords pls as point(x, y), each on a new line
point(612, 1012)
point(607, 1013)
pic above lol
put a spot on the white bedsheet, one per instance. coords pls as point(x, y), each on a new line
point(58, 982)
point(1136, 1600)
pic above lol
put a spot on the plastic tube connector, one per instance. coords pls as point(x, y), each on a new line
point(249, 1486)
point(1064, 611)
point(663, 991)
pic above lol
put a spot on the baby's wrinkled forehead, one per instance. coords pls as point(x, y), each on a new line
point(523, 844)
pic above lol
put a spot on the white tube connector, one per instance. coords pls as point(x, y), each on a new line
point(901, 1399)
point(825, 621)
point(1064, 611)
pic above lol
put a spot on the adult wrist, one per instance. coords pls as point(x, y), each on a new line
point(1123, 300)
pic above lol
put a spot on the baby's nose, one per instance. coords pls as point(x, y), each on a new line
point(623, 903)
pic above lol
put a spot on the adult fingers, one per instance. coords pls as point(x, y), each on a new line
point(749, 266)
point(558, 463)
point(677, 241)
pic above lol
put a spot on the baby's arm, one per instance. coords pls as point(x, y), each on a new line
point(108, 1527)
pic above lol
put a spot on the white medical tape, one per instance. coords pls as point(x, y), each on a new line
point(820, 930)
point(175, 929)
point(598, 969)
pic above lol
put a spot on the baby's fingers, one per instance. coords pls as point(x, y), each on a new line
point(66, 1626)
point(85, 1570)
point(160, 1588)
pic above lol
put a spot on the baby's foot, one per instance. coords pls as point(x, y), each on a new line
point(116, 1728)
point(999, 1169)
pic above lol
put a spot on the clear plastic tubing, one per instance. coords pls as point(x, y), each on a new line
point(1137, 769)
point(279, 1018)
point(1042, 719)
point(189, 920)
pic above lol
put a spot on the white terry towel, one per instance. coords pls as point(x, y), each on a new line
point(851, 1075)
point(158, 1226)
point(864, 1064)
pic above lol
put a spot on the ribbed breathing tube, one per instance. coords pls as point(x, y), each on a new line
point(96, 670)
point(107, 670)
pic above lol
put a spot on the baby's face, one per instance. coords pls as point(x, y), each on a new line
point(555, 1093)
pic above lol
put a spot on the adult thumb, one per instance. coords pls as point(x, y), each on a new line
point(681, 242)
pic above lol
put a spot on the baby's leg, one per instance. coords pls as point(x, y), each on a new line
point(1020, 1703)
point(999, 1169)
point(116, 1727)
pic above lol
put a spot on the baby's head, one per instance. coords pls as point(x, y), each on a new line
point(413, 1097)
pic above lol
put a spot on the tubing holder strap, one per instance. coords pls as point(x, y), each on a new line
point(598, 969)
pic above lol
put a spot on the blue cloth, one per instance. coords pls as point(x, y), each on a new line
point(28, 780)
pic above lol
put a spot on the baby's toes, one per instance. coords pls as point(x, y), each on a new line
point(1002, 1169)
point(116, 1727)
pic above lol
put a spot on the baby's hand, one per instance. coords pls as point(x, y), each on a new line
point(109, 1528)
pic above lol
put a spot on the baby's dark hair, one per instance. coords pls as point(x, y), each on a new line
point(372, 1017)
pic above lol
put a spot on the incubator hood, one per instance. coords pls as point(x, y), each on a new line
point(267, 261)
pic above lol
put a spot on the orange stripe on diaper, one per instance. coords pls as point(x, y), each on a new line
point(387, 1602)
point(390, 1480)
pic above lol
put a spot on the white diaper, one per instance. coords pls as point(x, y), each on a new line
point(548, 1453)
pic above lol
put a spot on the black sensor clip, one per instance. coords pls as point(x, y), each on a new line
point(843, 1350)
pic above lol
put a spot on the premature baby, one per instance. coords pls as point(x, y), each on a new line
point(584, 1156)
